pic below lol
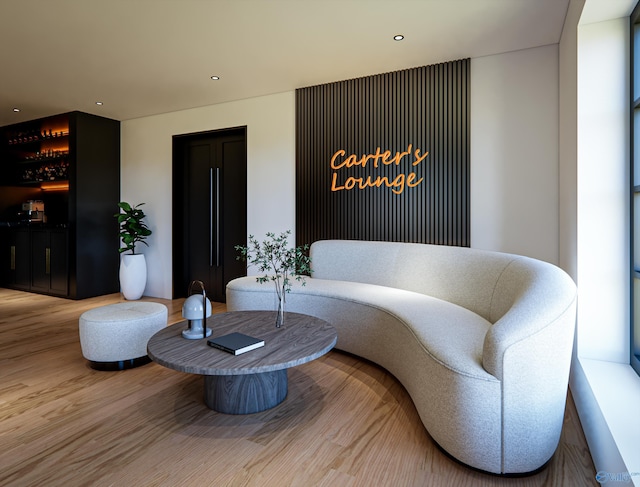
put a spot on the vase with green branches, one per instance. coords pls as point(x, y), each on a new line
point(280, 262)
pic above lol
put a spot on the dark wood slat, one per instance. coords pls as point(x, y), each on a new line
point(423, 108)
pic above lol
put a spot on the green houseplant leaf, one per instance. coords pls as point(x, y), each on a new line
point(133, 229)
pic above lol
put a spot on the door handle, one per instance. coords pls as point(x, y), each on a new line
point(210, 217)
point(217, 216)
point(47, 257)
point(13, 257)
point(217, 213)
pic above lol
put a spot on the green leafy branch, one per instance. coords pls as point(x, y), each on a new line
point(277, 260)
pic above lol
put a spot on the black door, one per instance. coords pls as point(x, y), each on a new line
point(209, 209)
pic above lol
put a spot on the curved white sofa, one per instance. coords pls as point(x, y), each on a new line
point(481, 340)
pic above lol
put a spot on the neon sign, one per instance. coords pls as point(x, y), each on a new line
point(376, 160)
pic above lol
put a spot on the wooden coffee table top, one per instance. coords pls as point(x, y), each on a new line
point(301, 339)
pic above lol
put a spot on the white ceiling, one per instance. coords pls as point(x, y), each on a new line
point(143, 57)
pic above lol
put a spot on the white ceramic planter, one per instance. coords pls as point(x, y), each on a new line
point(133, 275)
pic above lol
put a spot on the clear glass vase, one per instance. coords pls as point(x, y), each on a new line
point(280, 312)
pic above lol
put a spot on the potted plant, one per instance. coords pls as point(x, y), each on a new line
point(133, 267)
point(280, 263)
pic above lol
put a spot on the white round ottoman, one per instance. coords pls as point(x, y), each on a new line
point(114, 337)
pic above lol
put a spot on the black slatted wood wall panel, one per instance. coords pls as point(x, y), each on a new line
point(349, 187)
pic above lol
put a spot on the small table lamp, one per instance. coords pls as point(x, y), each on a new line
point(196, 309)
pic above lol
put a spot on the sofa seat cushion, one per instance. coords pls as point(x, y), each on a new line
point(450, 334)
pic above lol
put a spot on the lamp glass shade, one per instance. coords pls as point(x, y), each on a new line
point(192, 307)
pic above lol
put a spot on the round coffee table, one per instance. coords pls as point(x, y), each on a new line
point(253, 381)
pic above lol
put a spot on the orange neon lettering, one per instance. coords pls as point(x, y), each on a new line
point(375, 158)
point(400, 155)
point(398, 181)
point(411, 177)
point(418, 157)
point(333, 183)
point(397, 185)
point(334, 157)
point(385, 158)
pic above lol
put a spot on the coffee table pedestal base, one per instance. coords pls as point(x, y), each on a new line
point(245, 394)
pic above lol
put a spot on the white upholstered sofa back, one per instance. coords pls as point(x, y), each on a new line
point(519, 295)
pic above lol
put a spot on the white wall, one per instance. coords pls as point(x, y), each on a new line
point(568, 142)
point(514, 160)
point(514, 153)
point(147, 166)
point(603, 189)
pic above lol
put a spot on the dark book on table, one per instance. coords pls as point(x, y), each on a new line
point(236, 343)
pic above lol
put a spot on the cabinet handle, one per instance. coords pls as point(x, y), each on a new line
point(47, 257)
point(13, 257)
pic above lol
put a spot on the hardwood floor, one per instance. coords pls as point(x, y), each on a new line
point(345, 422)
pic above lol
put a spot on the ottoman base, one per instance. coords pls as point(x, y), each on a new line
point(120, 365)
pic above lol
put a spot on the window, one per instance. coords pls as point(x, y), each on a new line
point(635, 189)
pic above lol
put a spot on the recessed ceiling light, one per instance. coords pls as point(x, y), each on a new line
point(16, 110)
point(398, 37)
point(99, 103)
point(215, 78)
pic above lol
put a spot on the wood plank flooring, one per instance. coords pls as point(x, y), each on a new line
point(345, 422)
